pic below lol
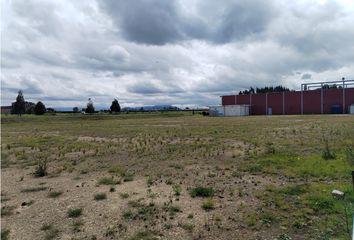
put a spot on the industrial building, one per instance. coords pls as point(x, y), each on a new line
point(334, 97)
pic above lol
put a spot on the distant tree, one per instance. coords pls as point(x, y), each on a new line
point(334, 86)
point(39, 109)
point(265, 90)
point(29, 106)
point(90, 108)
point(115, 107)
point(19, 107)
point(75, 109)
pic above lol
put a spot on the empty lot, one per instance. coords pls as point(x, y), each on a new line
point(176, 176)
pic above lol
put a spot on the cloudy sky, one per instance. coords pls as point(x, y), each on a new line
point(181, 52)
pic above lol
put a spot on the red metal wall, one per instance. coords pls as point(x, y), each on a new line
point(275, 101)
point(228, 100)
point(332, 97)
point(258, 104)
point(312, 102)
point(292, 101)
point(349, 98)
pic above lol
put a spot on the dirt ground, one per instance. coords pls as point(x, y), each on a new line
point(146, 175)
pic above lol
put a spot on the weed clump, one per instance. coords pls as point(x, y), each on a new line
point(74, 213)
point(124, 195)
point(54, 194)
point(108, 181)
point(208, 205)
point(41, 169)
point(202, 192)
point(100, 196)
point(177, 190)
point(34, 189)
point(349, 153)
point(327, 153)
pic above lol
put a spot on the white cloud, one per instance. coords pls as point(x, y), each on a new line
point(176, 52)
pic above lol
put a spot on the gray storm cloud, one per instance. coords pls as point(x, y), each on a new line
point(169, 52)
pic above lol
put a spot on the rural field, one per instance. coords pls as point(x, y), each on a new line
point(176, 176)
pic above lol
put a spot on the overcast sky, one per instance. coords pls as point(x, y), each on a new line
point(181, 52)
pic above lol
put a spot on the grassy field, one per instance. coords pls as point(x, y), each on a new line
point(176, 176)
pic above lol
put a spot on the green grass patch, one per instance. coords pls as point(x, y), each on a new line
point(100, 196)
point(74, 213)
point(5, 234)
point(34, 189)
point(107, 181)
point(202, 192)
point(55, 194)
point(208, 205)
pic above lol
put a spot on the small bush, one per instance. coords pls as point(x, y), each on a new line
point(208, 205)
point(54, 194)
point(107, 181)
point(52, 234)
point(124, 195)
point(74, 213)
point(128, 177)
point(5, 234)
point(202, 192)
point(41, 169)
point(77, 225)
point(34, 189)
point(349, 153)
point(177, 190)
point(46, 227)
point(100, 196)
point(145, 235)
point(294, 190)
point(187, 227)
point(251, 219)
point(7, 210)
point(327, 153)
point(128, 215)
point(117, 170)
point(149, 181)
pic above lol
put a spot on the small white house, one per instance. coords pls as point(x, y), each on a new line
point(229, 110)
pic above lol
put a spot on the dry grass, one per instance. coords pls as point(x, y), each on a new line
point(172, 176)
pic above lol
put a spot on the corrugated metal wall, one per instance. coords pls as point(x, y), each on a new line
point(290, 102)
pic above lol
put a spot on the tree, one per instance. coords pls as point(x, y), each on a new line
point(90, 108)
point(39, 109)
point(19, 107)
point(75, 109)
point(115, 107)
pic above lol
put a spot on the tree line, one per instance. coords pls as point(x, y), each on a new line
point(20, 106)
point(270, 89)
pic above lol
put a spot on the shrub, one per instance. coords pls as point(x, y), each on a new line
point(128, 215)
point(77, 225)
point(124, 195)
point(208, 205)
point(177, 190)
point(41, 169)
point(202, 192)
point(327, 153)
point(107, 181)
point(349, 153)
point(128, 177)
point(74, 213)
point(100, 196)
point(54, 194)
point(34, 189)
